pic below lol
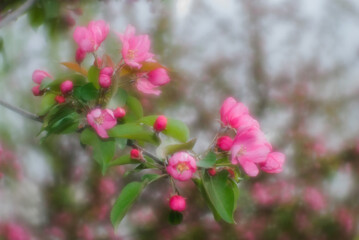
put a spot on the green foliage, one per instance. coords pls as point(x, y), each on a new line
point(175, 217)
point(135, 110)
point(171, 149)
point(175, 128)
point(135, 132)
point(93, 75)
point(208, 161)
point(124, 159)
point(223, 194)
point(47, 101)
point(86, 92)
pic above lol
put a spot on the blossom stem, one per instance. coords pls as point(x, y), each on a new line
point(20, 111)
point(148, 154)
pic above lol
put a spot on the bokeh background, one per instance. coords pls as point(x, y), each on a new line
point(294, 63)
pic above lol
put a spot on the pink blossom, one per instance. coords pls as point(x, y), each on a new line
point(249, 149)
point(13, 231)
point(263, 194)
point(181, 166)
point(60, 99)
point(39, 75)
point(104, 80)
point(86, 233)
point(107, 71)
point(346, 220)
point(90, 38)
point(236, 115)
point(314, 198)
point(274, 163)
point(135, 154)
point(107, 187)
point(225, 143)
point(135, 49)
point(36, 90)
point(148, 83)
point(160, 123)
point(177, 203)
point(80, 55)
point(66, 86)
point(119, 112)
point(101, 120)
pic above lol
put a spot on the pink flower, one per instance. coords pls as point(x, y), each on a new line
point(249, 149)
point(225, 143)
point(13, 231)
point(66, 86)
point(263, 194)
point(60, 99)
point(36, 90)
point(160, 123)
point(85, 232)
point(104, 81)
point(119, 112)
point(135, 49)
point(149, 82)
point(135, 154)
point(39, 75)
point(101, 120)
point(346, 220)
point(177, 203)
point(236, 115)
point(314, 198)
point(274, 163)
point(90, 38)
point(80, 55)
point(107, 71)
point(107, 187)
point(181, 166)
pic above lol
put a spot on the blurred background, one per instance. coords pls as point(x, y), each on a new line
point(294, 63)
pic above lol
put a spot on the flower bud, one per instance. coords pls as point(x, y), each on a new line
point(177, 203)
point(160, 123)
point(107, 71)
point(80, 55)
point(36, 91)
point(119, 112)
point(98, 62)
point(105, 81)
point(39, 75)
point(212, 171)
point(60, 99)
point(225, 143)
point(135, 154)
point(66, 86)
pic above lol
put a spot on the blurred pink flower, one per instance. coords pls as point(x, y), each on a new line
point(39, 75)
point(80, 55)
point(85, 232)
point(263, 194)
point(107, 187)
point(90, 38)
point(181, 166)
point(101, 120)
point(149, 82)
point(345, 219)
point(249, 149)
point(135, 49)
point(13, 231)
point(273, 163)
point(314, 198)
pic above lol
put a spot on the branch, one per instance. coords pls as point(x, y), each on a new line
point(21, 111)
point(17, 13)
point(148, 154)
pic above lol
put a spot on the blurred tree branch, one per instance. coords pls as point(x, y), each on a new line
point(16, 13)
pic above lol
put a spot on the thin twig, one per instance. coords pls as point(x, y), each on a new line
point(17, 13)
point(148, 154)
point(21, 111)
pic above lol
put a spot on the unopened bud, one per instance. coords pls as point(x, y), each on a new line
point(66, 86)
point(160, 123)
point(119, 112)
point(177, 203)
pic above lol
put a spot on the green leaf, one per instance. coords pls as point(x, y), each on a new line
point(121, 96)
point(47, 101)
point(208, 161)
point(175, 217)
point(45, 83)
point(133, 131)
point(175, 128)
point(135, 109)
point(220, 191)
point(127, 197)
point(171, 149)
point(149, 178)
point(125, 159)
point(52, 8)
point(86, 92)
point(93, 75)
point(36, 16)
point(67, 124)
point(88, 137)
point(121, 142)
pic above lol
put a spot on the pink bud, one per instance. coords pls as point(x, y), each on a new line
point(36, 91)
point(66, 86)
point(212, 171)
point(160, 123)
point(119, 112)
point(177, 203)
point(107, 71)
point(39, 75)
point(105, 81)
point(60, 99)
point(135, 154)
point(225, 143)
point(80, 55)
point(98, 62)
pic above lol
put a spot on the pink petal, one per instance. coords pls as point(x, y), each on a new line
point(145, 86)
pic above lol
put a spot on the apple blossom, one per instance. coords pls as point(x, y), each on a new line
point(273, 163)
point(149, 82)
point(101, 120)
point(104, 80)
point(39, 75)
point(181, 166)
point(80, 55)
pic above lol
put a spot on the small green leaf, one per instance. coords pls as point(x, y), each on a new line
point(121, 96)
point(175, 217)
point(220, 191)
point(45, 83)
point(125, 159)
point(127, 197)
point(133, 131)
point(86, 92)
point(135, 110)
point(149, 178)
point(36, 16)
point(47, 101)
point(121, 142)
point(208, 161)
point(88, 137)
point(171, 149)
point(52, 8)
point(175, 128)
point(93, 75)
